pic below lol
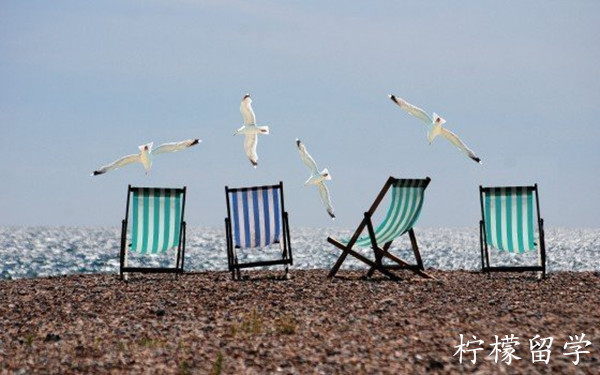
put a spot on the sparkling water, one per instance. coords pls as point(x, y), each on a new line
point(27, 252)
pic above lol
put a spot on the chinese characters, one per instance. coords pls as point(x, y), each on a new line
point(504, 349)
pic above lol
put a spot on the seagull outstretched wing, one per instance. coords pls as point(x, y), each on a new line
point(175, 146)
point(247, 112)
point(453, 138)
point(324, 194)
point(306, 158)
point(250, 142)
point(125, 160)
point(411, 109)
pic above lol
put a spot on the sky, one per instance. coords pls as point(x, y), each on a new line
point(84, 83)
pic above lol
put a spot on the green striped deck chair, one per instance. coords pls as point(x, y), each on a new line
point(510, 217)
point(153, 224)
point(256, 219)
point(406, 201)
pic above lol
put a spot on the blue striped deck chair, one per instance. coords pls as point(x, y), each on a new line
point(256, 219)
point(402, 214)
point(153, 224)
point(509, 218)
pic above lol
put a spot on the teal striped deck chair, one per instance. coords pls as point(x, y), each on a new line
point(407, 196)
point(509, 219)
point(153, 224)
point(256, 220)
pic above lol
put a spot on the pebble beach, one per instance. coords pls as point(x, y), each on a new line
point(205, 323)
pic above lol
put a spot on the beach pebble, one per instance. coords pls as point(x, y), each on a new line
point(308, 324)
point(51, 337)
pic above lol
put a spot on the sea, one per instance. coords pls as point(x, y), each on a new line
point(31, 252)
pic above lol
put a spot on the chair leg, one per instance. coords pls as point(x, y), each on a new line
point(544, 262)
point(372, 269)
point(124, 264)
point(358, 256)
point(542, 247)
point(481, 245)
point(415, 247)
point(236, 270)
point(338, 264)
point(378, 267)
point(378, 258)
point(286, 276)
point(401, 262)
point(404, 264)
point(487, 258)
point(121, 265)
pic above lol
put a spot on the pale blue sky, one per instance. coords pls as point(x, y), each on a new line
point(82, 83)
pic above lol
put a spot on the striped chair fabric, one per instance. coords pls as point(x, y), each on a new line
point(403, 212)
point(156, 216)
point(256, 216)
point(509, 218)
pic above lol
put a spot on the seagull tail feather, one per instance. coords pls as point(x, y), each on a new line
point(477, 159)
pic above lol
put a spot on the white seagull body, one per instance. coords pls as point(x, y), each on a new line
point(435, 127)
point(250, 130)
point(316, 178)
point(146, 154)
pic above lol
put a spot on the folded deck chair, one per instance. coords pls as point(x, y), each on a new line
point(154, 219)
point(509, 223)
point(402, 214)
point(256, 219)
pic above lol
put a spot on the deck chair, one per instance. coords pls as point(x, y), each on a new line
point(256, 218)
point(154, 218)
point(508, 223)
point(404, 209)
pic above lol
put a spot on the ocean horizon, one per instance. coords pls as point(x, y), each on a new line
point(43, 251)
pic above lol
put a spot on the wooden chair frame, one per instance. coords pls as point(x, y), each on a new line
point(379, 252)
point(485, 251)
point(234, 265)
point(178, 269)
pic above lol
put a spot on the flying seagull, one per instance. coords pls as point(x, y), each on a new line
point(435, 126)
point(250, 130)
point(316, 178)
point(145, 155)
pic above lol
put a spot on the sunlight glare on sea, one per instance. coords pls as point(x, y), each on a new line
point(27, 252)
